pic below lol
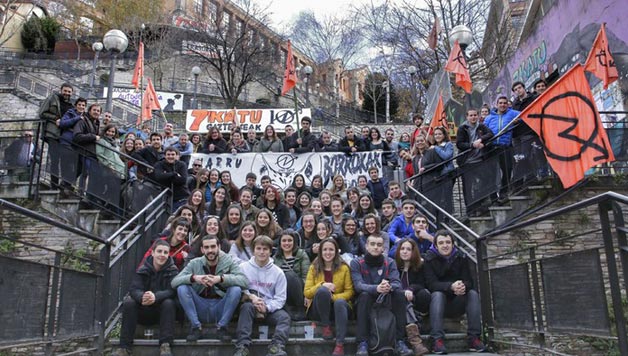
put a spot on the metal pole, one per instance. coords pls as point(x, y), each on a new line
point(375, 101)
point(387, 100)
point(307, 90)
point(93, 78)
point(195, 105)
point(112, 71)
point(413, 106)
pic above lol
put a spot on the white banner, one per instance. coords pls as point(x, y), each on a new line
point(282, 167)
point(168, 101)
point(202, 120)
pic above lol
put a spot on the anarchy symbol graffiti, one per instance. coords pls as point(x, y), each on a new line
point(285, 161)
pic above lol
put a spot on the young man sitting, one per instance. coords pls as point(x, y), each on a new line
point(209, 289)
point(372, 275)
point(151, 300)
point(266, 298)
point(448, 277)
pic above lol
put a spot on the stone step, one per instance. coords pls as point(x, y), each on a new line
point(500, 214)
point(12, 189)
point(519, 204)
point(106, 228)
point(455, 343)
point(481, 224)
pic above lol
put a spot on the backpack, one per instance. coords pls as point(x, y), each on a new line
point(382, 331)
point(382, 336)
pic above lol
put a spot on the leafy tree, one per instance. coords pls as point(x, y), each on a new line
point(39, 35)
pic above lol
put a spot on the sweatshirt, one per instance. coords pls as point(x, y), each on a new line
point(268, 281)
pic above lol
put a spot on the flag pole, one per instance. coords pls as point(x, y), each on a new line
point(296, 111)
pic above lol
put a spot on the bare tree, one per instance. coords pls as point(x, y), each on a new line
point(11, 19)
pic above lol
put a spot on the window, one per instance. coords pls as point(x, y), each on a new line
point(198, 7)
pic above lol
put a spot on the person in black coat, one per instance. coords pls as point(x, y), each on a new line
point(448, 277)
point(351, 143)
point(305, 141)
point(85, 137)
point(325, 143)
point(214, 143)
point(151, 298)
point(150, 154)
point(173, 174)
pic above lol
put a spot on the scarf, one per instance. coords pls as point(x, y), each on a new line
point(374, 261)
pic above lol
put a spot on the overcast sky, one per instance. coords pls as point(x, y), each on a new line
point(283, 12)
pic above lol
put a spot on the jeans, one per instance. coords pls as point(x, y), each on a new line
point(199, 309)
point(421, 301)
point(321, 310)
point(279, 318)
point(364, 305)
point(294, 290)
point(443, 305)
point(133, 312)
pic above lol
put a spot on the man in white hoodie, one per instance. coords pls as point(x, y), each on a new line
point(267, 297)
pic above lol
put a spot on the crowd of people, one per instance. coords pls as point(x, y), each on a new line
point(314, 250)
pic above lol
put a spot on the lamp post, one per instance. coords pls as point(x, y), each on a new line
point(412, 71)
point(307, 70)
point(386, 84)
point(196, 70)
point(463, 35)
point(116, 42)
point(96, 47)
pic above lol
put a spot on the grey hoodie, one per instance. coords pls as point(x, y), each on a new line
point(269, 282)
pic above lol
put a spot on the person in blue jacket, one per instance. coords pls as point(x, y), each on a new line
point(69, 159)
point(497, 121)
point(401, 226)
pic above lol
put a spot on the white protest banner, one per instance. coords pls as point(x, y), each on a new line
point(168, 101)
point(282, 167)
point(203, 120)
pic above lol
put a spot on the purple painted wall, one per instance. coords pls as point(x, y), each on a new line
point(563, 37)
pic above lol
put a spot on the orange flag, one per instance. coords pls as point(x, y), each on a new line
point(600, 60)
point(432, 39)
point(138, 73)
point(150, 103)
point(458, 65)
point(566, 119)
point(439, 118)
point(290, 75)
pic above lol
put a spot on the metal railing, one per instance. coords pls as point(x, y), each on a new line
point(560, 287)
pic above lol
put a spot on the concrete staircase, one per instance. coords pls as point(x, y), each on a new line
point(298, 344)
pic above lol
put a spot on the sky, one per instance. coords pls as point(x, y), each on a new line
point(283, 12)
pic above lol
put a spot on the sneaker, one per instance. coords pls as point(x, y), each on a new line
point(122, 352)
point(476, 345)
point(439, 347)
point(241, 351)
point(339, 350)
point(164, 349)
point(402, 349)
point(194, 335)
point(327, 333)
point(363, 349)
point(222, 334)
point(276, 350)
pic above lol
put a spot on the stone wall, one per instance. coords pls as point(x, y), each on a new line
point(16, 108)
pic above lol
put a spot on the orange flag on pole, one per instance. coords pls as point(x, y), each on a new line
point(150, 103)
point(138, 73)
point(458, 65)
point(600, 60)
point(439, 118)
point(566, 119)
point(290, 75)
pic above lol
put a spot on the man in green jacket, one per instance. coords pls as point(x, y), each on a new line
point(209, 289)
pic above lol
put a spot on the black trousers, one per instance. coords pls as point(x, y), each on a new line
point(133, 313)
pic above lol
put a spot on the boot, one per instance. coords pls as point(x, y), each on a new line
point(414, 339)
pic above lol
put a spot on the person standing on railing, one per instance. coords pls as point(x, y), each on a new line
point(477, 173)
point(497, 121)
point(448, 277)
point(50, 112)
point(85, 137)
point(172, 173)
point(151, 300)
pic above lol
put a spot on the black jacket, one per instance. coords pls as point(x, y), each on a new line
point(322, 147)
point(148, 155)
point(85, 132)
point(343, 145)
point(308, 142)
point(463, 142)
point(439, 274)
point(281, 215)
point(220, 146)
point(521, 128)
point(414, 280)
point(158, 282)
point(173, 176)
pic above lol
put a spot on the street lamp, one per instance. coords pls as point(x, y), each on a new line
point(412, 70)
point(116, 42)
point(386, 84)
point(96, 47)
point(463, 35)
point(196, 70)
point(307, 70)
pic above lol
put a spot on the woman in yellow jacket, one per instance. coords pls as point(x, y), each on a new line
point(328, 284)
